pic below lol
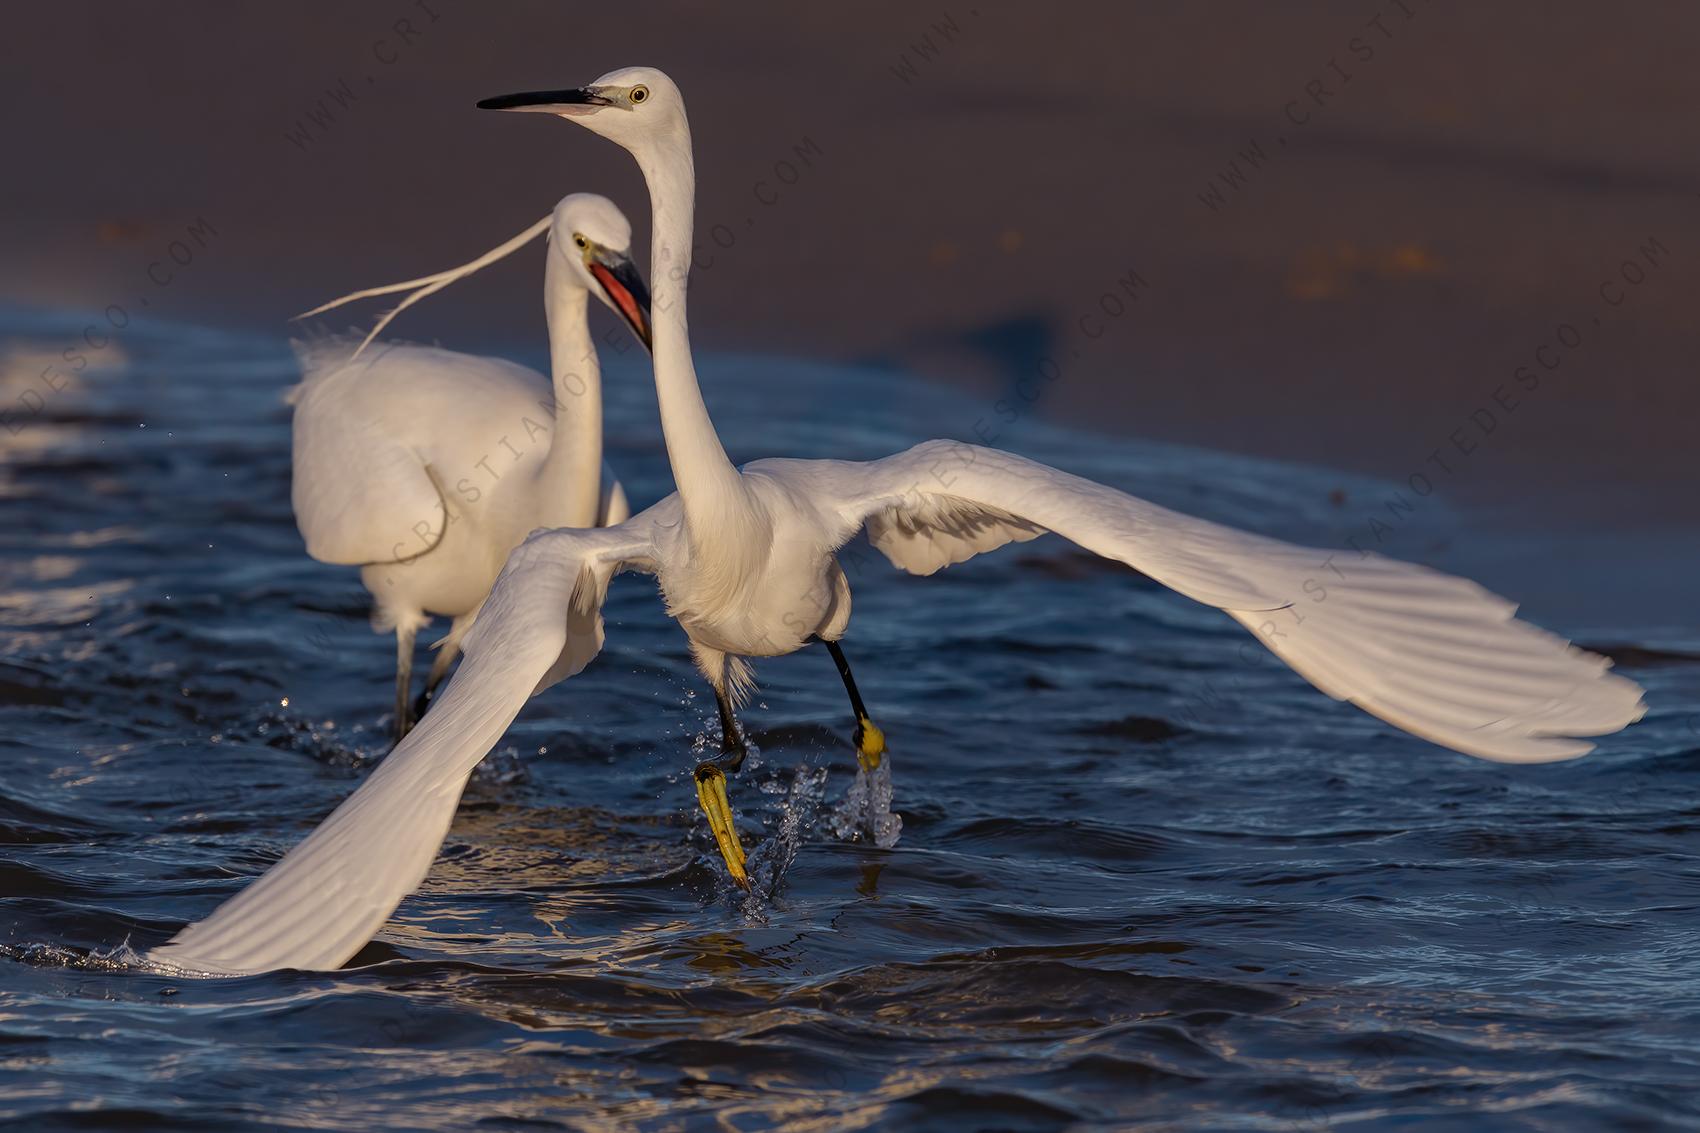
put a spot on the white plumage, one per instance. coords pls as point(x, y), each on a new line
point(425, 467)
point(745, 559)
point(325, 899)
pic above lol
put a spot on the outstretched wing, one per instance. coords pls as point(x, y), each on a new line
point(1436, 655)
point(325, 899)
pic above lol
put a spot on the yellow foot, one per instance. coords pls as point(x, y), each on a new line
point(711, 793)
point(870, 743)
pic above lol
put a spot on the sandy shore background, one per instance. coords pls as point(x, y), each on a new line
point(1351, 223)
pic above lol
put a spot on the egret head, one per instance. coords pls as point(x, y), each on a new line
point(592, 239)
point(633, 106)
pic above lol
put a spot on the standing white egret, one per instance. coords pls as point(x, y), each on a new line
point(745, 559)
point(425, 467)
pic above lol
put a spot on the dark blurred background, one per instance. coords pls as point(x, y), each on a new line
point(1351, 222)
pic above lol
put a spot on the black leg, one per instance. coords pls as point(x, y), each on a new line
point(731, 732)
point(439, 670)
point(870, 741)
point(403, 679)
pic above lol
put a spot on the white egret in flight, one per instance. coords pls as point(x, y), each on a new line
point(745, 559)
point(425, 467)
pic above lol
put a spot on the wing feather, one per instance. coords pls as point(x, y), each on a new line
point(368, 431)
point(328, 896)
point(1436, 655)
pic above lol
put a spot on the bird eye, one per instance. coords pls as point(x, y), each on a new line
point(638, 94)
point(580, 240)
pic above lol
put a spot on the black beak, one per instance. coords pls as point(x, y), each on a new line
point(546, 101)
point(625, 289)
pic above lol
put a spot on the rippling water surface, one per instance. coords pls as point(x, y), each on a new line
point(1143, 880)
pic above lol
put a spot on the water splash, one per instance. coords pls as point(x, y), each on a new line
point(798, 811)
point(865, 813)
point(120, 957)
point(356, 748)
point(502, 768)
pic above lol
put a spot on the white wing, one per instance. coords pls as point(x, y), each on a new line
point(367, 430)
point(1436, 655)
point(325, 899)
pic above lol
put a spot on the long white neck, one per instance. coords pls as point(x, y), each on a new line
point(569, 483)
point(708, 485)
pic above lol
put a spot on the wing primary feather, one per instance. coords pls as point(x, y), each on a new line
point(1438, 656)
point(319, 904)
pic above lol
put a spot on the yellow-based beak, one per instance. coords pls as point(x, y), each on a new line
point(711, 793)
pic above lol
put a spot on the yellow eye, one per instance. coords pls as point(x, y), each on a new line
point(638, 94)
point(580, 241)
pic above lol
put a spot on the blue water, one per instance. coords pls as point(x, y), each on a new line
point(1141, 881)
